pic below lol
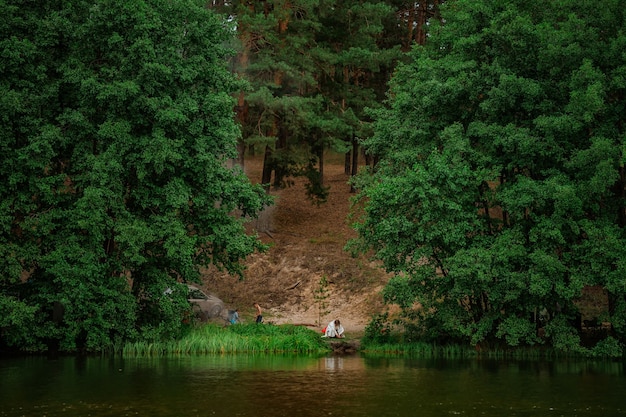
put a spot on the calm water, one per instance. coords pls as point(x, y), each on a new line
point(301, 387)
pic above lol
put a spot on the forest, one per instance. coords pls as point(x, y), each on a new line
point(493, 133)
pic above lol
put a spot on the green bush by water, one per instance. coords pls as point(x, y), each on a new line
point(239, 338)
point(457, 351)
point(382, 339)
point(419, 349)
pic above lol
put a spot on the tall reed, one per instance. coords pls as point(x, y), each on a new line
point(239, 338)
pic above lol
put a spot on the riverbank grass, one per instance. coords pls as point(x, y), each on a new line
point(238, 338)
point(457, 351)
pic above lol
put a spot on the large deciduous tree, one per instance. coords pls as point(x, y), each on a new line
point(501, 190)
point(117, 122)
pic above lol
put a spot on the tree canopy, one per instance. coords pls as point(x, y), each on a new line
point(313, 66)
point(501, 190)
point(117, 123)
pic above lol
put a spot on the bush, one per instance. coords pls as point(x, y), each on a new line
point(378, 330)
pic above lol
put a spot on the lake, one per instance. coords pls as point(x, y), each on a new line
point(300, 386)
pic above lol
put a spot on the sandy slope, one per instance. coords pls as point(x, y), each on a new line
point(306, 244)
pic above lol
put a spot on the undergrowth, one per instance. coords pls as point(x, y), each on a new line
point(239, 338)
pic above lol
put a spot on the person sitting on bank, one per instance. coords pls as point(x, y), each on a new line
point(334, 329)
point(233, 316)
point(259, 313)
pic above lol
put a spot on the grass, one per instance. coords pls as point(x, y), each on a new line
point(422, 350)
point(267, 338)
point(239, 338)
point(432, 350)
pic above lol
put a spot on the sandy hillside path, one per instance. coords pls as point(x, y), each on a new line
point(307, 244)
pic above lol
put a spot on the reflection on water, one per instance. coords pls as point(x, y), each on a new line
point(256, 385)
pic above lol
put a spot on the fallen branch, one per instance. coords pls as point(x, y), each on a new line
point(293, 286)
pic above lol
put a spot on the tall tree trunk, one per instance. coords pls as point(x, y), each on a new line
point(266, 175)
point(283, 24)
point(355, 161)
point(416, 15)
point(621, 192)
point(410, 23)
point(280, 168)
point(243, 59)
point(320, 158)
point(242, 117)
point(422, 17)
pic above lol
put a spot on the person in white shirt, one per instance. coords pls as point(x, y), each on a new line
point(334, 329)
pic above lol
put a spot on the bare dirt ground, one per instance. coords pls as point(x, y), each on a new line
point(307, 244)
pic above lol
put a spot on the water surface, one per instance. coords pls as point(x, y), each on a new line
point(296, 386)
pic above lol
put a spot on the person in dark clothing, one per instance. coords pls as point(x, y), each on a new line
point(259, 313)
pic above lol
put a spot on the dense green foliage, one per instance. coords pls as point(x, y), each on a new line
point(313, 66)
point(501, 189)
point(240, 338)
point(117, 122)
